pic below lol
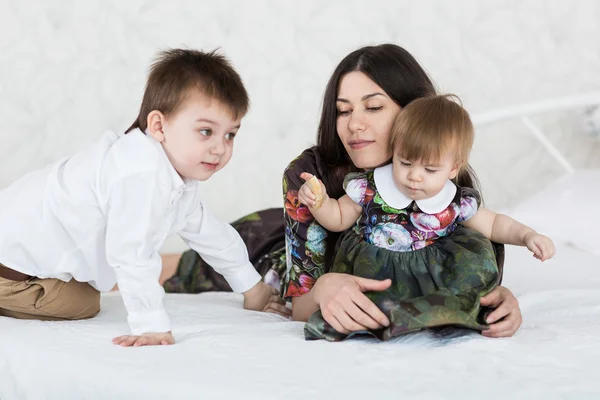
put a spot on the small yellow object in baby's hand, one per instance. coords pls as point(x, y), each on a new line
point(315, 186)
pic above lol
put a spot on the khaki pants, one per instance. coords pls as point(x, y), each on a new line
point(48, 299)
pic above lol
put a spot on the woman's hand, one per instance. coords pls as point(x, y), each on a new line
point(343, 304)
point(506, 319)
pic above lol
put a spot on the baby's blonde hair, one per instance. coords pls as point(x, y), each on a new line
point(429, 127)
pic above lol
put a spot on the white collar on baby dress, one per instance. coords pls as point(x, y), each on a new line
point(389, 192)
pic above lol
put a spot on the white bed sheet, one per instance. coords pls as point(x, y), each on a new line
point(223, 351)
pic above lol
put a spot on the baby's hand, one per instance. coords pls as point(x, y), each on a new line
point(313, 192)
point(147, 339)
point(263, 297)
point(540, 245)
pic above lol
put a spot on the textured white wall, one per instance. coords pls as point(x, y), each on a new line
point(71, 69)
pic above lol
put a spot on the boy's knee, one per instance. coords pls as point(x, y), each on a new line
point(84, 302)
point(51, 300)
point(93, 307)
point(71, 300)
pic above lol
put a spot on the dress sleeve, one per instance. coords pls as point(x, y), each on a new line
point(470, 200)
point(305, 238)
point(355, 185)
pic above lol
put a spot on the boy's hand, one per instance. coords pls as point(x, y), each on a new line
point(147, 339)
point(540, 245)
point(313, 192)
point(263, 297)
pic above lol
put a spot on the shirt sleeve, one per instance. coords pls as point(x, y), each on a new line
point(470, 201)
point(305, 238)
point(221, 247)
point(136, 210)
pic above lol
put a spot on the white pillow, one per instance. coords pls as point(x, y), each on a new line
point(567, 211)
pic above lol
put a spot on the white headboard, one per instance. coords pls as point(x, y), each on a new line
point(525, 111)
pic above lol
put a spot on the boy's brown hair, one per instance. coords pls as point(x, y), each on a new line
point(176, 72)
point(430, 126)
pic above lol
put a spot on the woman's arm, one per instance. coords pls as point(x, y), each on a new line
point(501, 228)
point(339, 296)
point(305, 238)
point(304, 306)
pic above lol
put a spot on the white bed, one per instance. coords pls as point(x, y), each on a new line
point(223, 351)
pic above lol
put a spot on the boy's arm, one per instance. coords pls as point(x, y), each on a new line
point(134, 218)
point(224, 250)
point(221, 247)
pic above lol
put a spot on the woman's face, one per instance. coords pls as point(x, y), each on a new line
point(365, 117)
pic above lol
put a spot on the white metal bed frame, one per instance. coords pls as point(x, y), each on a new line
point(524, 112)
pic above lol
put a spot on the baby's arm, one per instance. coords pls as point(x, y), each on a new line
point(501, 228)
point(333, 215)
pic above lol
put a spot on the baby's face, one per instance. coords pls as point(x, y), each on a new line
point(199, 136)
point(420, 180)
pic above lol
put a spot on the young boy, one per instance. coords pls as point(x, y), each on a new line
point(100, 217)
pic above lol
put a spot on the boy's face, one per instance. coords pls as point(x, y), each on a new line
point(199, 136)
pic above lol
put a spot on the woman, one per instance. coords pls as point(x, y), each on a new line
point(365, 93)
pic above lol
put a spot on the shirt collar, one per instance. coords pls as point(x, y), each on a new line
point(177, 182)
point(389, 192)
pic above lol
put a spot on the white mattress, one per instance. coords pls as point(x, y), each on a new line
point(223, 351)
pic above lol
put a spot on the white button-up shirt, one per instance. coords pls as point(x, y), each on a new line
point(101, 217)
